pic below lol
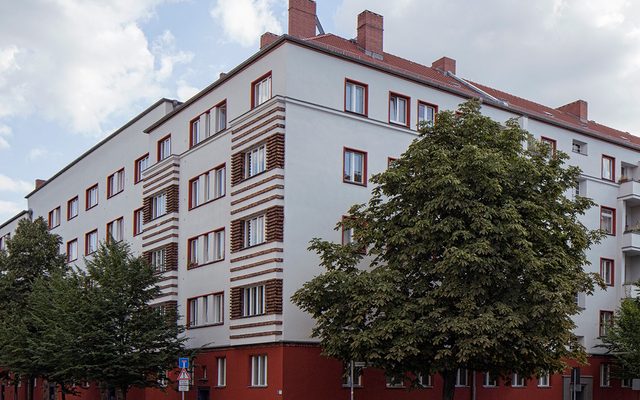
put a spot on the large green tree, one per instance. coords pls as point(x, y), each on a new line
point(129, 342)
point(623, 338)
point(33, 254)
point(474, 256)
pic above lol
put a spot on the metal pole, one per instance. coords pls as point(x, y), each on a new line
point(182, 395)
point(351, 380)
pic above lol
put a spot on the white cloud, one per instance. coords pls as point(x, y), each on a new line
point(243, 21)
point(185, 91)
point(81, 62)
point(549, 51)
point(8, 184)
point(5, 132)
point(8, 209)
point(36, 153)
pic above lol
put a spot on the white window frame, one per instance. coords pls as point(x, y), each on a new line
point(351, 166)
point(352, 102)
point(262, 90)
point(54, 218)
point(517, 380)
point(423, 113)
point(115, 183)
point(395, 116)
point(544, 380)
point(254, 231)
point(357, 374)
point(115, 230)
point(394, 381)
point(92, 197)
point(607, 214)
point(141, 164)
point(605, 322)
point(256, 161)
point(158, 205)
point(254, 300)
point(72, 250)
point(138, 221)
point(220, 117)
point(488, 380)
point(194, 192)
point(607, 271)
point(195, 131)
point(92, 242)
point(158, 260)
point(219, 182)
point(259, 364)
point(605, 375)
point(221, 380)
point(73, 208)
point(425, 380)
point(462, 377)
point(193, 312)
point(193, 251)
point(608, 168)
point(164, 148)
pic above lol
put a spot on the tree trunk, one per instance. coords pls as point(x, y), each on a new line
point(63, 394)
point(449, 384)
point(30, 388)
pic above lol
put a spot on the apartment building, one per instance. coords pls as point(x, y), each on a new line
point(223, 192)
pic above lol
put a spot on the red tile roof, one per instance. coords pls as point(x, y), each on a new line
point(515, 103)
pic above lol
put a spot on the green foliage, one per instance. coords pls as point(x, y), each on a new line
point(623, 339)
point(475, 257)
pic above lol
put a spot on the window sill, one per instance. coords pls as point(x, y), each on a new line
point(114, 194)
point(544, 386)
point(70, 218)
point(220, 386)
point(354, 386)
point(258, 386)
point(399, 123)
point(93, 206)
point(157, 217)
point(364, 184)
point(206, 202)
point(205, 326)
point(54, 227)
point(364, 115)
point(490, 386)
point(251, 316)
point(195, 266)
point(579, 152)
point(252, 246)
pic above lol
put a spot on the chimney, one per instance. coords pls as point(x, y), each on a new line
point(578, 108)
point(370, 32)
point(39, 183)
point(302, 18)
point(267, 38)
point(445, 64)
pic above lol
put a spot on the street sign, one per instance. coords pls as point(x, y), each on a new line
point(184, 376)
point(183, 362)
point(183, 386)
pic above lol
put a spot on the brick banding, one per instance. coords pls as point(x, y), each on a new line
point(256, 264)
point(253, 275)
point(258, 254)
point(258, 203)
point(257, 118)
point(256, 184)
point(258, 193)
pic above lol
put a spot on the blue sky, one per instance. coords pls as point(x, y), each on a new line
point(73, 71)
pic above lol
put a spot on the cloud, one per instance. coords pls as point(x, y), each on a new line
point(549, 51)
point(8, 209)
point(8, 184)
point(243, 21)
point(36, 153)
point(81, 62)
point(185, 91)
point(5, 132)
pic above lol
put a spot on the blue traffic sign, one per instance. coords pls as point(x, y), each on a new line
point(183, 362)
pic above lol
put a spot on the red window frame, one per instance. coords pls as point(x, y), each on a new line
point(69, 246)
point(86, 241)
point(191, 143)
point(158, 146)
point(106, 228)
point(86, 197)
point(407, 109)
point(188, 324)
point(109, 179)
point(201, 264)
point(612, 274)
point(135, 230)
point(552, 142)
point(600, 323)
point(613, 168)
point(50, 218)
point(424, 103)
point(253, 88)
point(137, 177)
point(613, 225)
point(364, 167)
point(366, 96)
point(191, 181)
point(69, 217)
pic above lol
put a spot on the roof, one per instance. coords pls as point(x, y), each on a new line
point(15, 217)
point(105, 140)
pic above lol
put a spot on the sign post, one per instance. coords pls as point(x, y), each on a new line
point(184, 377)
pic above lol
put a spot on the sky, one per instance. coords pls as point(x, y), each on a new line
point(74, 71)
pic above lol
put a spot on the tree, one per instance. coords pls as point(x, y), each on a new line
point(623, 338)
point(33, 254)
point(474, 253)
point(129, 342)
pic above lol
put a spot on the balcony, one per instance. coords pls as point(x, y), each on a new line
point(629, 190)
point(631, 242)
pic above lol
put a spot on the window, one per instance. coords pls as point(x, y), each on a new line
point(208, 186)
point(206, 310)
point(259, 370)
point(256, 161)
point(91, 242)
point(626, 382)
point(395, 381)
point(581, 300)
point(543, 380)
point(398, 109)
point(462, 377)
point(355, 97)
point(426, 114)
point(195, 132)
point(92, 197)
point(261, 90)
point(72, 208)
point(141, 164)
point(138, 216)
point(605, 375)
point(194, 193)
point(357, 375)
point(158, 205)
point(489, 380)
point(607, 271)
point(580, 188)
point(517, 380)
point(3, 242)
point(115, 183)
point(608, 168)
point(222, 371)
point(54, 217)
point(354, 166)
point(425, 380)
point(253, 301)
point(608, 220)
point(115, 230)
point(217, 118)
point(158, 260)
point(551, 143)
point(206, 248)
point(579, 147)
point(164, 148)
point(606, 322)
point(254, 231)
point(72, 250)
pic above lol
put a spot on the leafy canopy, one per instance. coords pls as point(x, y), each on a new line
point(474, 258)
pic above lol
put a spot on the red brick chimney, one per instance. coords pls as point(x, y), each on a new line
point(40, 182)
point(302, 18)
point(267, 38)
point(445, 64)
point(578, 108)
point(370, 32)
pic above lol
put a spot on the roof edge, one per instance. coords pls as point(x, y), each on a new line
point(105, 140)
point(15, 217)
